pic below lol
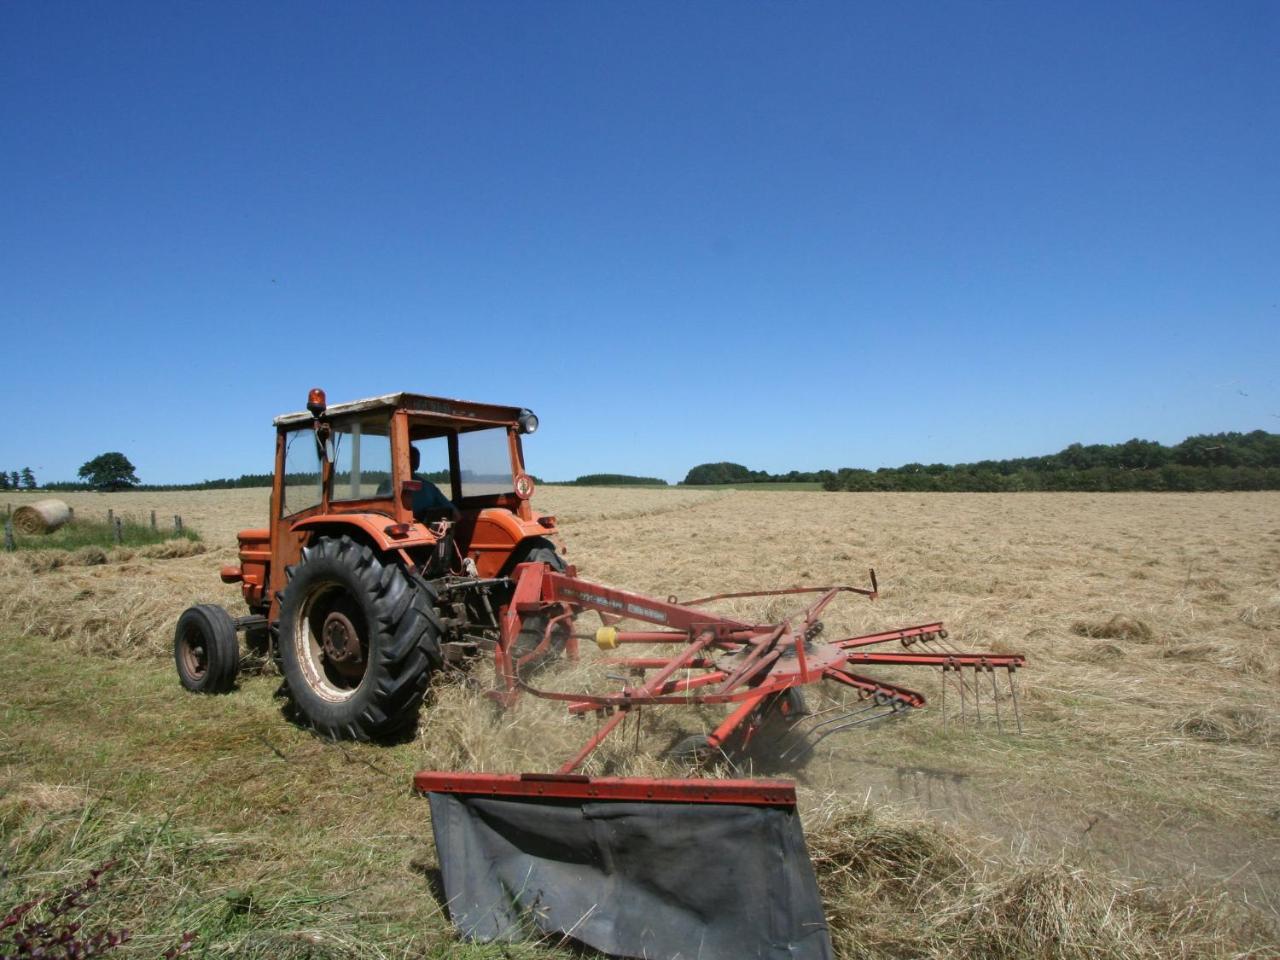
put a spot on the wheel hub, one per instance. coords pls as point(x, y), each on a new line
point(341, 643)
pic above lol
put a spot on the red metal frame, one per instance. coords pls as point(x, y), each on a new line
point(775, 793)
point(742, 663)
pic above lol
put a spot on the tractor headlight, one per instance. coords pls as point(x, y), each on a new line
point(528, 421)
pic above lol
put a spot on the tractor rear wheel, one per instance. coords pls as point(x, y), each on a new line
point(205, 649)
point(358, 640)
point(534, 627)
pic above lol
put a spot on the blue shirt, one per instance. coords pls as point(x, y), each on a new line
point(430, 498)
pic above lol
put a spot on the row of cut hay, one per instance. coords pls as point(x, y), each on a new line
point(119, 603)
point(462, 728)
point(904, 889)
point(42, 561)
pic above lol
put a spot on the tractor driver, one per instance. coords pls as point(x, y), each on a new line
point(429, 500)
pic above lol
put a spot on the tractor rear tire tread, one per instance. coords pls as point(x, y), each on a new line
point(403, 642)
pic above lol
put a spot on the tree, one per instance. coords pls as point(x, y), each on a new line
point(14, 482)
point(109, 471)
point(28, 479)
point(718, 473)
point(4, 480)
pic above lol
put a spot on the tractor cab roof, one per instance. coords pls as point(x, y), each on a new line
point(458, 414)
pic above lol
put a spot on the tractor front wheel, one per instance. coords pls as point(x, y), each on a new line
point(205, 649)
point(358, 640)
point(534, 627)
point(694, 751)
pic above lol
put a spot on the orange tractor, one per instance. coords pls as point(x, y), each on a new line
point(394, 524)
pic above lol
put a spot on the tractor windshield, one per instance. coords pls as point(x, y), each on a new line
point(484, 461)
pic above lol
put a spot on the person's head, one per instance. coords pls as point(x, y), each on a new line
point(415, 458)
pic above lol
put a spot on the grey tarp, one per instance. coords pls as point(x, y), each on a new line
point(653, 880)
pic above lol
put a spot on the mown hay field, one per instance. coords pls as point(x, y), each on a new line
point(1137, 815)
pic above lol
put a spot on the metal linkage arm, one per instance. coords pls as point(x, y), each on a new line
point(723, 660)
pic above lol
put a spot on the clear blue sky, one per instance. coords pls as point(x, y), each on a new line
point(793, 235)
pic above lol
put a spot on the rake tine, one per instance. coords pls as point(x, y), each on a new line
point(807, 748)
point(857, 723)
point(1013, 694)
point(975, 684)
point(948, 647)
point(801, 728)
point(995, 696)
point(944, 699)
point(810, 745)
point(963, 718)
point(977, 699)
point(804, 738)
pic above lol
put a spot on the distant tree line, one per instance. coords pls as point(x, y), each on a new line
point(725, 472)
point(615, 480)
point(248, 480)
point(244, 480)
point(22, 479)
point(1217, 461)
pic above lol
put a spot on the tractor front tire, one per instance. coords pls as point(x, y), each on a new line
point(532, 628)
point(358, 641)
point(205, 649)
point(694, 751)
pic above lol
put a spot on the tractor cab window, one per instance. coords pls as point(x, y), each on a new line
point(433, 463)
point(302, 478)
point(484, 463)
point(362, 458)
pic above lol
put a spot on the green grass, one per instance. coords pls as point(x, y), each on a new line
point(225, 819)
point(98, 533)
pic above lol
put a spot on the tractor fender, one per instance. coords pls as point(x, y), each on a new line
point(497, 533)
point(375, 527)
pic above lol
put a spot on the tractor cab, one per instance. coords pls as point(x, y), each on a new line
point(438, 483)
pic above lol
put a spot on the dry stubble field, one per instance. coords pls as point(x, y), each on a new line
point(1138, 814)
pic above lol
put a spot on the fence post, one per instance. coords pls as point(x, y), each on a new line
point(8, 535)
point(118, 531)
point(153, 519)
point(71, 513)
point(177, 524)
point(111, 516)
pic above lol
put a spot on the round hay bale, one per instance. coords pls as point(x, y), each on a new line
point(43, 516)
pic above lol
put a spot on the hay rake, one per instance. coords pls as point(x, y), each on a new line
point(636, 867)
point(753, 669)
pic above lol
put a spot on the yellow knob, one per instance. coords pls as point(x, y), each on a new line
point(607, 638)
